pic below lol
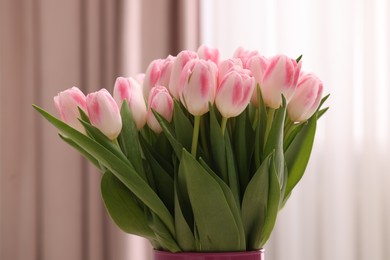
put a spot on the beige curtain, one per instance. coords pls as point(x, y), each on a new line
point(50, 204)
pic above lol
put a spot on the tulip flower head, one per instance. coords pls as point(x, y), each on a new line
point(257, 65)
point(161, 101)
point(157, 73)
point(67, 103)
point(104, 113)
point(279, 78)
point(181, 60)
point(130, 90)
point(244, 55)
point(198, 84)
point(234, 93)
point(306, 99)
point(207, 53)
point(226, 66)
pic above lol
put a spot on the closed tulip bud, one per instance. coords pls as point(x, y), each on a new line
point(257, 65)
point(198, 84)
point(306, 99)
point(234, 93)
point(161, 101)
point(181, 60)
point(280, 77)
point(226, 66)
point(130, 90)
point(207, 53)
point(244, 55)
point(104, 113)
point(67, 103)
point(157, 73)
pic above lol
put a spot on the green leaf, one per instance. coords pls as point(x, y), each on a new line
point(275, 142)
point(254, 205)
point(299, 58)
point(128, 140)
point(123, 171)
point(261, 122)
point(273, 204)
point(214, 220)
point(163, 236)
point(218, 150)
point(183, 127)
point(322, 112)
point(122, 207)
point(81, 150)
point(169, 133)
point(298, 154)
point(234, 207)
point(231, 170)
point(184, 235)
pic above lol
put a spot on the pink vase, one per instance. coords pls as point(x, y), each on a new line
point(249, 255)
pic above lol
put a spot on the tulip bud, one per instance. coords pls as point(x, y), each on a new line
point(198, 83)
point(226, 66)
point(181, 60)
point(306, 99)
point(140, 78)
point(244, 55)
point(157, 73)
point(234, 93)
point(161, 101)
point(67, 103)
point(130, 90)
point(279, 78)
point(207, 53)
point(104, 113)
point(257, 65)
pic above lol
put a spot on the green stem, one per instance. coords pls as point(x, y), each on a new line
point(195, 136)
point(270, 119)
point(203, 136)
point(223, 125)
point(115, 141)
point(288, 126)
point(255, 119)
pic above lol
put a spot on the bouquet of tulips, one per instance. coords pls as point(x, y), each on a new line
point(198, 153)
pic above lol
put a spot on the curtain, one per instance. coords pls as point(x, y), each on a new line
point(50, 203)
point(341, 208)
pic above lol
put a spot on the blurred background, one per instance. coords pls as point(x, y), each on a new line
point(50, 204)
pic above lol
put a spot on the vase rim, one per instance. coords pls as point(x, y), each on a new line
point(211, 253)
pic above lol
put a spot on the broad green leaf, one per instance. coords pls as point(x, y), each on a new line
point(261, 122)
point(234, 207)
point(214, 220)
point(322, 112)
point(183, 127)
point(295, 129)
point(243, 147)
point(128, 140)
point(81, 150)
point(218, 150)
point(123, 171)
point(123, 208)
point(231, 170)
point(184, 235)
point(274, 198)
point(298, 154)
point(274, 143)
point(254, 205)
point(162, 234)
point(169, 133)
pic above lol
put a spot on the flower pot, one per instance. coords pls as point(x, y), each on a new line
point(249, 255)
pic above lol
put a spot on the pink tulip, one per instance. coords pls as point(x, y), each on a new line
point(104, 113)
point(279, 78)
point(226, 66)
point(306, 99)
point(257, 65)
point(207, 53)
point(140, 78)
point(157, 73)
point(244, 55)
point(198, 83)
point(234, 93)
point(130, 90)
point(181, 60)
point(67, 103)
point(161, 101)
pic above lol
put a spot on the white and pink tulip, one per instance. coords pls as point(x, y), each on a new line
point(161, 101)
point(207, 53)
point(67, 103)
point(257, 65)
point(306, 99)
point(130, 90)
point(104, 113)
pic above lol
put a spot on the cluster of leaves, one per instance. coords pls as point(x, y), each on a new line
point(224, 198)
